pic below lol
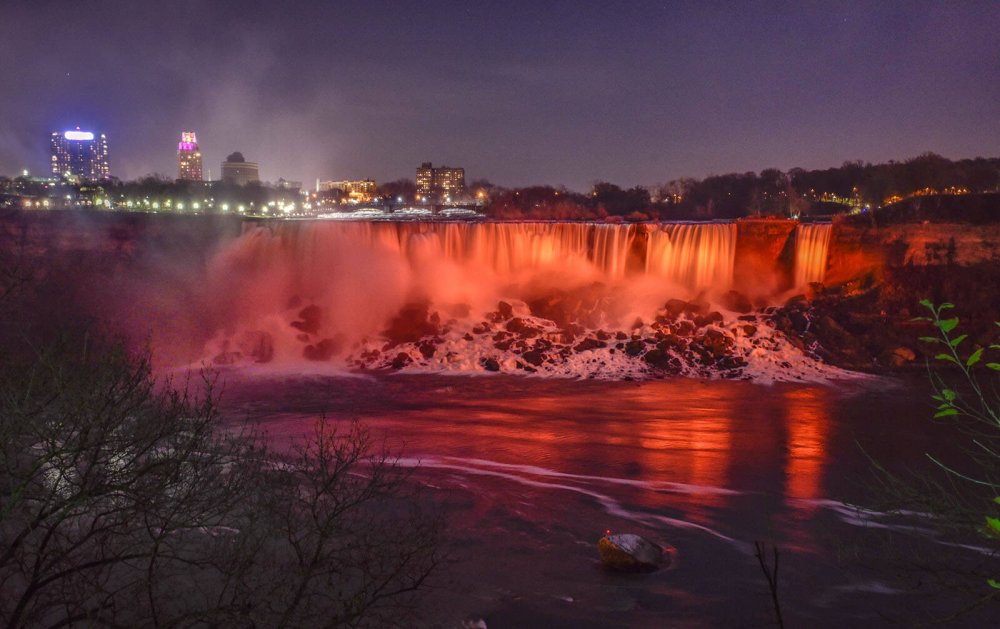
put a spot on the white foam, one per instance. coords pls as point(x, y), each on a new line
point(610, 505)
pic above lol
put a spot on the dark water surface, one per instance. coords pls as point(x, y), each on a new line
point(530, 473)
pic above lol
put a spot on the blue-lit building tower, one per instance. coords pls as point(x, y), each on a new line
point(82, 154)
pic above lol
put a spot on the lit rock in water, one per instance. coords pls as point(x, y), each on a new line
point(627, 552)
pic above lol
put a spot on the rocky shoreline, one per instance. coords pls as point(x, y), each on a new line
point(865, 325)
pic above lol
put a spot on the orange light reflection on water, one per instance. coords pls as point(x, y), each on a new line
point(808, 424)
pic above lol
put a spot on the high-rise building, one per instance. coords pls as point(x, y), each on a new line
point(82, 154)
point(440, 182)
point(239, 172)
point(189, 158)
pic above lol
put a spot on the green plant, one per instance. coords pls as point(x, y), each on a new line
point(971, 401)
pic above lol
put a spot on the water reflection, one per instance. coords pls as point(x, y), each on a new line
point(697, 437)
point(808, 421)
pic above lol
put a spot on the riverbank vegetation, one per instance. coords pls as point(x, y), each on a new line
point(126, 500)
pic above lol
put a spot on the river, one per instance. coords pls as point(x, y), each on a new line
point(530, 472)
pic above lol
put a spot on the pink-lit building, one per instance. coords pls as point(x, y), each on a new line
point(189, 158)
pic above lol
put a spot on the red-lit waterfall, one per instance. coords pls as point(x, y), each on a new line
point(812, 242)
point(569, 299)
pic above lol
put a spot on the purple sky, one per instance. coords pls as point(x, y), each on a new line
point(517, 92)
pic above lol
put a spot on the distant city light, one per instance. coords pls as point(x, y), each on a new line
point(78, 135)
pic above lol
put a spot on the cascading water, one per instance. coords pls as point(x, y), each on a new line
point(697, 256)
point(812, 242)
point(570, 299)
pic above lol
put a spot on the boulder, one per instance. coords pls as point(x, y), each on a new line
point(427, 349)
point(588, 344)
point(671, 341)
point(310, 318)
point(324, 350)
point(517, 325)
point(491, 364)
point(799, 321)
point(684, 328)
point(677, 307)
point(708, 319)
point(401, 360)
point(534, 357)
point(635, 347)
point(737, 302)
point(901, 356)
point(660, 360)
point(814, 290)
point(506, 310)
point(627, 552)
point(411, 324)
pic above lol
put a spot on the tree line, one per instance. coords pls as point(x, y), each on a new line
point(771, 192)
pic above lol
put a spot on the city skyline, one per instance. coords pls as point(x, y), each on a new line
point(565, 94)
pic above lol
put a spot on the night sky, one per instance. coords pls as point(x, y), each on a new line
point(516, 92)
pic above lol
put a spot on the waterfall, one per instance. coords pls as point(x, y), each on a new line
point(812, 242)
point(693, 256)
point(696, 256)
point(501, 248)
point(566, 298)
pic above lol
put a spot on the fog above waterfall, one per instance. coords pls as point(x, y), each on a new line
point(563, 299)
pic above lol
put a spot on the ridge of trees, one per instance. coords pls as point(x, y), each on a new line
point(771, 192)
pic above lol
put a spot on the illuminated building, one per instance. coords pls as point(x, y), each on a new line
point(440, 182)
point(189, 158)
point(239, 172)
point(82, 154)
point(285, 184)
point(361, 191)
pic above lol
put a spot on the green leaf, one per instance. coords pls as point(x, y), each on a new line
point(948, 412)
point(946, 305)
point(921, 319)
point(927, 303)
point(947, 325)
point(993, 524)
point(958, 339)
point(994, 366)
point(997, 500)
point(974, 358)
point(993, 583)
point(949, 394)
point(930, 339)
point(947, 357)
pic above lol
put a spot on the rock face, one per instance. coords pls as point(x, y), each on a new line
point(310, 319)
point(411, 324)
point(626, 552)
